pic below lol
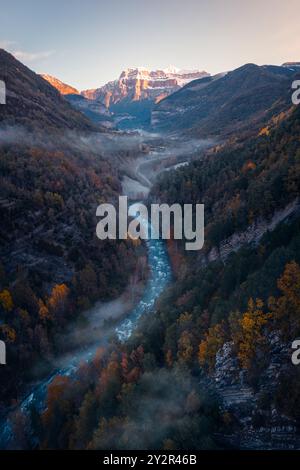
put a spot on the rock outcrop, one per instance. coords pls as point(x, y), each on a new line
point(137, 84)
point(255, 427)
point(252, 234)
point(63, 88)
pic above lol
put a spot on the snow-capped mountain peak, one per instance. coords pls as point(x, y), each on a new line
point(171, 69)
point(140, 83)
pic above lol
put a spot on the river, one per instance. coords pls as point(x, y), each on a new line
point(159, 277)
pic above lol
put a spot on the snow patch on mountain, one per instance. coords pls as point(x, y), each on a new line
point(140, 83)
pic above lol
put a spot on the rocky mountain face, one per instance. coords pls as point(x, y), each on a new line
point(63, 88)
point(132, 96)
point(226, 103)
point(256, 426)
point(137, 84)
point(252, 234)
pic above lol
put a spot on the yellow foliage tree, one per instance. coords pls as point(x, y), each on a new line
point(9, 333)
point(264, 131)
point(210, 345)
point(247, 334)
point(6, 300)
point(58, 298)
point(44, 313)
point(286, 308)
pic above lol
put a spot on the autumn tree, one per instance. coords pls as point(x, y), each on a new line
point(185, 352)
point(8, 333)
point(247, 332)
point(54, 417)
point(210, 345)
point(58, 299)
point(6, 300)
point(286, 308)
point(44, 312)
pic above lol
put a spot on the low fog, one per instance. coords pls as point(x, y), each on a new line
point(139, 155)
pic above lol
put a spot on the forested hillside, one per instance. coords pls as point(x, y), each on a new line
point(52, 266)
point(241, 182)
point(32, 102)
point(226, 104)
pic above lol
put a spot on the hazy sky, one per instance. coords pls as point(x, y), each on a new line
point(88, 42)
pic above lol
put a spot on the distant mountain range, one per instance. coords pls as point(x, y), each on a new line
point(190, 102)
point(136, 84)
point(131, 97)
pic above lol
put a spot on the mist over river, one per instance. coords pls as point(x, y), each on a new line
point(116, 317)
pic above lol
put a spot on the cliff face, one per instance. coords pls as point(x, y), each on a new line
point(253, 234)
point(135, 84)
point(256, 419)
point(255, 426)
point(63, 88)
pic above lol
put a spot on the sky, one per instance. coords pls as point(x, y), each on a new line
point(88, 43)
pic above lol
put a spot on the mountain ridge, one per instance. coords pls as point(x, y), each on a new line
point(62, 87)
point(33, 101)
point(225, 104)
point(142, 83)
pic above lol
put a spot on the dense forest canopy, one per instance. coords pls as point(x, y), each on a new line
point(52, 266)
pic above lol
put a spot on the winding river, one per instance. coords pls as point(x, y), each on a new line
point(159, 278)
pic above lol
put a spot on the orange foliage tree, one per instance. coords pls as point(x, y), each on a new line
point(286, 308)
point(6, 300)
point(247, 332)
point(210, 345)
point(58, 299)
